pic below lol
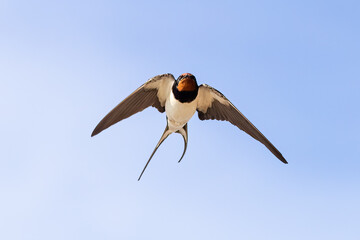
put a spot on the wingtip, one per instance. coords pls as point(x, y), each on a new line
point(93, 133)
point(281, 158)
point(96, 131)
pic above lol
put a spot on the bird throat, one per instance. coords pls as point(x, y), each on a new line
point(185, 91)
point(186, 84)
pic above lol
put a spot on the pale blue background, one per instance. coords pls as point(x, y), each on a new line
point(292, 67)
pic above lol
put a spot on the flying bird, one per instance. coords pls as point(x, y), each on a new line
point(180, 99)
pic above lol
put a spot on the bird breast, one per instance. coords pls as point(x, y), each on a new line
point(178, 113)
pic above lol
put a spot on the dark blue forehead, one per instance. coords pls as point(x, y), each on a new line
point(186, 75)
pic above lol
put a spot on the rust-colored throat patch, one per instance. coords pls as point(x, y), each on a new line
point(186, 84)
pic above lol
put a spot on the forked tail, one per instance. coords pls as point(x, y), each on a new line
point(166, 133)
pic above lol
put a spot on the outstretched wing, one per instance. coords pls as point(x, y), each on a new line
point(152, 93)
point(214, 105)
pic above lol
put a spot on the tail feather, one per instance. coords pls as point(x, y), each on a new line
point(166, 133)
point(184, 133)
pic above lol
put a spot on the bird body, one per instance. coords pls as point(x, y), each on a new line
point(180, 99)
point(178, 113)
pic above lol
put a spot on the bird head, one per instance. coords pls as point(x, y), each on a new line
point(186, 82)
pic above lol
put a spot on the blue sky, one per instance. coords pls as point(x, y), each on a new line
point(292, 67)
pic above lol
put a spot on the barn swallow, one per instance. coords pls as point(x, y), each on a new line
point(180, 99)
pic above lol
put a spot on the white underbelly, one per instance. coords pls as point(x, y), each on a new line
point(178, 113)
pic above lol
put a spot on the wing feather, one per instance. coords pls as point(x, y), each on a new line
point(214, 105)
point(151, 93)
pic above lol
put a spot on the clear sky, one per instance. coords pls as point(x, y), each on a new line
point(292, 67)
